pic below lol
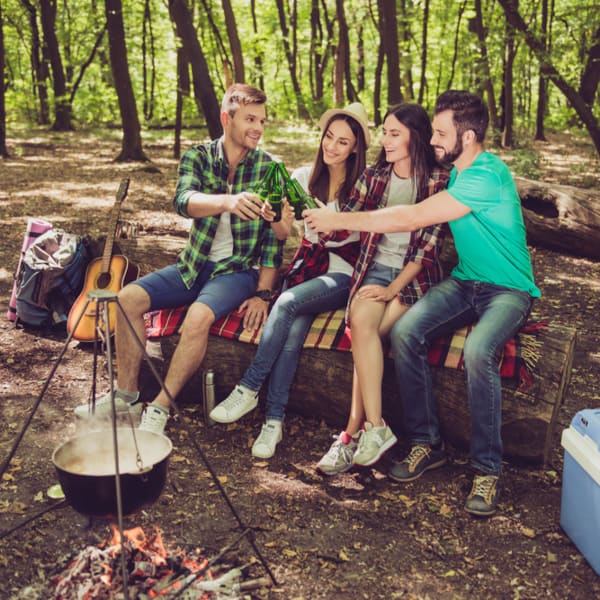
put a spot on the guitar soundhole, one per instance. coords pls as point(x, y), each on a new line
point(103, 280)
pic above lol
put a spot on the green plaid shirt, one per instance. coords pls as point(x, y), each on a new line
point(203, 168)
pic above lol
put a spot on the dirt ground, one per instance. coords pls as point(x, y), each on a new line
point(357, 535)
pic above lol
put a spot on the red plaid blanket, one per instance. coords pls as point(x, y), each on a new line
point(329, 332)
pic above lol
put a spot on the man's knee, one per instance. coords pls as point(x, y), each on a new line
point(477, 354)
point(198, 320)
point(134, 300)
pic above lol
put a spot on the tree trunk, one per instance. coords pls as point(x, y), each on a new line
point(38, 65)
point(461, 10)
point(509, 59)
point(3, 148)
point(590, 78)
point(542, 92)
point(487, 83)
point(291, 60)
point(131, 145)
point(578, 103)
point(62, 108)
point(561, 217)
point(378, 117)
point(149, 86)
point(424, 29)
point(239, 75)
point(388, 32)
point(406, 39)
point(204, 92)
point(319, 51)
point(258, 58)
point(344, 44)
point(225, 59)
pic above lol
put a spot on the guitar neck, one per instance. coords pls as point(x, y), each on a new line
point(112, 231)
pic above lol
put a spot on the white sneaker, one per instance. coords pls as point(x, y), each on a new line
point(373, 444)
point(154, 419)
point(103, 407)
point(338, 458)
point(235, 406)
point(266, 442)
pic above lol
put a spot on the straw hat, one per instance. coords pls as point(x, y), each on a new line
point(355, 110)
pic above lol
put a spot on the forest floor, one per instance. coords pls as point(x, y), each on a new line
point(357, 535)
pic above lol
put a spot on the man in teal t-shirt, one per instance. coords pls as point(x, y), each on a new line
point(492, 287)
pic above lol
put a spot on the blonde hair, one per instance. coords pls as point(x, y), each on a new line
point(240, 94)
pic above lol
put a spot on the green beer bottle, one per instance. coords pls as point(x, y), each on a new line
point(293, 192)
point(275, 193)
point(264, 185)
point(303, 200)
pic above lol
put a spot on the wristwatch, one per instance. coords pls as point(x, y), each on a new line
point(266, 295)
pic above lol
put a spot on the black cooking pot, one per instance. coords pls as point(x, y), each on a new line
point(86, 470)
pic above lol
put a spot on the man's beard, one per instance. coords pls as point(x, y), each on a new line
point(450, 156)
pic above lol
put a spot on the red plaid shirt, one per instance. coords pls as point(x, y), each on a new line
point(312, 260)
point(370, 193)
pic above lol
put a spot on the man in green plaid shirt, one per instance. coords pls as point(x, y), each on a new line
point(230, 261)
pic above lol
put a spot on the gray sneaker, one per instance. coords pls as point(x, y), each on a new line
point(420, 459)
point(374, 442)
point(103, 407)
point(338, 458)
point(235, 406)
point(266, 442)
point(483, 498)
point(154, 419)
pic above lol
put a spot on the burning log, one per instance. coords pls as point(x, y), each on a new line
point(154, 571)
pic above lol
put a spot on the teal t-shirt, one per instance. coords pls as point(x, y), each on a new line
point(490, 240)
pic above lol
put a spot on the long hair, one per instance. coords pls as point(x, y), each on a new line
point(469, 112)
point(355, 164)
point(422, 157)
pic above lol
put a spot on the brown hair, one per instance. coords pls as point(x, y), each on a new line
point(355, 164)
point(469, 112)
point(422, 157)
point(240, 94)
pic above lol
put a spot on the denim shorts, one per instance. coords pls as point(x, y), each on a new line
point(378, 274)
point(222, 294)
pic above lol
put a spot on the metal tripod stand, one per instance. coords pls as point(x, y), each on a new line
point(102, 299)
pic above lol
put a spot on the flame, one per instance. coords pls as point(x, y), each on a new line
point(154, 569)
point(137, 540)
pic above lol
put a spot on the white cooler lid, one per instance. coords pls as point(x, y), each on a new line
point(584, 450)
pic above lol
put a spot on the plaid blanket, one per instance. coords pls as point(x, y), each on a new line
point(329, 332)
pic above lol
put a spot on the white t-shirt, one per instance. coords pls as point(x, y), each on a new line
point(392, 247)
point(222, 245)
point(336, 263)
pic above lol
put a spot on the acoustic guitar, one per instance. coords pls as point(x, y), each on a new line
point(106, 273)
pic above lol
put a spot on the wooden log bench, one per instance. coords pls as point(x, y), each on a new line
point(322, 386)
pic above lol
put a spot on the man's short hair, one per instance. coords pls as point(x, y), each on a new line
point(469, 111)
point(240, 94)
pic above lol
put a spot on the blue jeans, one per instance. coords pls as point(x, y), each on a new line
point(284, 333)
point(222, 294)
point(499, 313)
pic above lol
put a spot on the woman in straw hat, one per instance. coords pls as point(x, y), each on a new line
point(318, 279)
point(392, 273)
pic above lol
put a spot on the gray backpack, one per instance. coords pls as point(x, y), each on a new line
point(50, 279)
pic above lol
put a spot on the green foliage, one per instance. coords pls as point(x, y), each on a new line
point(453, 56)
point(524, 162)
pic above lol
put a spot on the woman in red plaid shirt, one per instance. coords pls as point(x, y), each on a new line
point(392, 273)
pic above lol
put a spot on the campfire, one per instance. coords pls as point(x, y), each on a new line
point(154, 570)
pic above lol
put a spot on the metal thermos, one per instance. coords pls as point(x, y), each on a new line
point(208, 394)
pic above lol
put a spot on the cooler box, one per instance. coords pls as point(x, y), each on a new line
point(580, 503)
